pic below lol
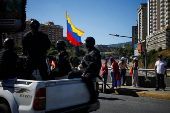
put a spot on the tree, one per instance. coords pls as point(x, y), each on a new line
point(120, 50)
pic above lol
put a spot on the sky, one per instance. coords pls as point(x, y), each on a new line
point(97, 18)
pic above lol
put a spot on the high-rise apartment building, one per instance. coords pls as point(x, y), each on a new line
point(54, 32)
point(158, 24)
point(142, 22)
point(134, 34)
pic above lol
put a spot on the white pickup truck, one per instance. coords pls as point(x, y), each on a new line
point(53, 96)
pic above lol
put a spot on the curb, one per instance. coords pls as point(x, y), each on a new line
point(137, 94)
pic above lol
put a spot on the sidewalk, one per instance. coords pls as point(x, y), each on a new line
point(134, 91)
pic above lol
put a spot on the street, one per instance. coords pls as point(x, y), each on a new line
point(112, 103)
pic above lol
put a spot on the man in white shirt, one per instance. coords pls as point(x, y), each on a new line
point(160, 70)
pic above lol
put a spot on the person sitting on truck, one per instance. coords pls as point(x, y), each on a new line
point(8, 60)
point(93, 61)
point(35, 46)
point(82, 65)
point(62, 64)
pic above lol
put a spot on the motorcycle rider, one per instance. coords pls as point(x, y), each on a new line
point(8, 60)
point(35, 46)
point(93, 61)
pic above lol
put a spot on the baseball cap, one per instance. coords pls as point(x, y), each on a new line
point(111, 58)
point(123, 58)
point(159, 56)
point(135, 58)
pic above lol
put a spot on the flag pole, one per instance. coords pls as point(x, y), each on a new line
point(66, 20)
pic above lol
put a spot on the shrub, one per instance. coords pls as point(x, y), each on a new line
point(167, 59)
point(159, 49)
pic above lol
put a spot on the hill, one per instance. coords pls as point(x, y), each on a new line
point(120, 44)
point(152, 58)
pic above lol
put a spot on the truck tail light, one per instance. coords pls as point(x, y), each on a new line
point(40, 99)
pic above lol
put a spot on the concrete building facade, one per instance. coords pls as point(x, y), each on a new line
point(142, 21)
point(159, 23)
point(134, 34)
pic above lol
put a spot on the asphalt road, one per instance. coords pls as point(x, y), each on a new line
point(112, 103)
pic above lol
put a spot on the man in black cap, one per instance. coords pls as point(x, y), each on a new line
point(35, 46)
point(160, 70)
point(8, 60)
point(62, 65)
point(93, 61)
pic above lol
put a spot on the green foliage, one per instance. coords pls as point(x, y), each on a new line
point(18, 49)
point(102, 56)
point(159, 49)
point(120, 51)
point(75, 61)
point(167, 59)
point(52, 51)
point(151, 57)
point(142, 57)
point(106, 49)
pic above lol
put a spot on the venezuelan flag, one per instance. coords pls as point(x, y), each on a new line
point(73, 34)
point(131, 71)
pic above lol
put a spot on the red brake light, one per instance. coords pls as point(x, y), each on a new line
point(40, 99)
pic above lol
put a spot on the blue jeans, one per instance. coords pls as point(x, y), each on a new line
point(112, 78)
point(104, 82)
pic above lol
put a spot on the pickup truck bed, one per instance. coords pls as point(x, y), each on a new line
point(29, 96)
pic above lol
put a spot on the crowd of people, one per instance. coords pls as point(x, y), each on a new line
point(118, 71)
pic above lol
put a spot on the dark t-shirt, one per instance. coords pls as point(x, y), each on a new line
point(35, 45)
point(93, 61)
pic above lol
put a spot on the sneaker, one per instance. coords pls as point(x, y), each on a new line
point(163, 89)
point(156, 89)
point(132, 86)
point(137, 86)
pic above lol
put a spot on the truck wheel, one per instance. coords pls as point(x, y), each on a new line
point(4, 108)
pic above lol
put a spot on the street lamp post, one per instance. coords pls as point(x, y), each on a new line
point(145, 52)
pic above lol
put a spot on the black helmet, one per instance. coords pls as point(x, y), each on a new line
point(159, 56)
point(90, 40)
point(34, 24)
point(9, 43)
point(61, 43)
